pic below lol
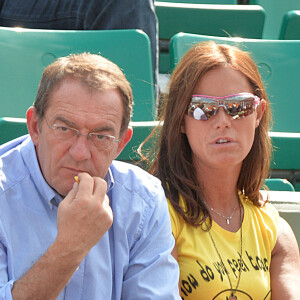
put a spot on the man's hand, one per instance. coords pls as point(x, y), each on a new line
point(84, 215)
point(83, 218)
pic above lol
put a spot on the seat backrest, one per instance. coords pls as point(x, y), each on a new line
point(286, 151)
point(279, 184)
point(279, 64)
point(290, 28)
point(24, 53)
point(11, 128)
point(275, 10)
point(218, 20)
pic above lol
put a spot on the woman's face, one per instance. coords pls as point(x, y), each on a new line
point(221, 141)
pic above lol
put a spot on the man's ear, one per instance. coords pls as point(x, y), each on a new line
point(32, 124)
point(260, 111)
point(126, 137)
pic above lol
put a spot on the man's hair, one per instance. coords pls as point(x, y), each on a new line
point(92, 70)
point(173, 164)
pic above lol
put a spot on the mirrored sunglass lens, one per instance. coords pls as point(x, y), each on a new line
point(240, 109)
point(202, 110)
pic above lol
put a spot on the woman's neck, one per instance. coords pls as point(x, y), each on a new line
point(219, 187)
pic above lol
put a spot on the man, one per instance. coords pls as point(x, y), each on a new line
point(107, 236)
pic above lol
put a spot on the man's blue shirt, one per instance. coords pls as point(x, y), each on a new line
point(131, 261)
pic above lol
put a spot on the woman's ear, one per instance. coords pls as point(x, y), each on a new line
point(260, 112)
point(33, 124)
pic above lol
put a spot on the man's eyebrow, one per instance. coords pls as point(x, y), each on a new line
point(101, 128)
point(66, 121)
point(106, 128)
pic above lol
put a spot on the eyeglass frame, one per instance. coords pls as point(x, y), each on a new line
point(78, 133)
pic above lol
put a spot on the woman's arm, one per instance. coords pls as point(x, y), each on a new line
point(285, 264)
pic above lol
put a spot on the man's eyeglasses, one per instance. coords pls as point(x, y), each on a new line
point(238, 106)
point(100, 141)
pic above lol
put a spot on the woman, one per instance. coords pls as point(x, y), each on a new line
point(213, 158)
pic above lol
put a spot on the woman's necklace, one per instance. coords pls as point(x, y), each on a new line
point(233, 292)
point(219, 214)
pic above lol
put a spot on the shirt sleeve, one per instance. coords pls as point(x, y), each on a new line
point(5, 285)
point(153, 273)
point(173, 218)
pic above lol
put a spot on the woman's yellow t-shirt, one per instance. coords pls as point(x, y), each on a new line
point(202, 274)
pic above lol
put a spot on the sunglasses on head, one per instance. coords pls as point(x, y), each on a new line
point(238, 106)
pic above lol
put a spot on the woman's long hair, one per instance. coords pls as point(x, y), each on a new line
point(172, 158)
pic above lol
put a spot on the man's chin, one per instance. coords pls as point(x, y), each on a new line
point(63, 190)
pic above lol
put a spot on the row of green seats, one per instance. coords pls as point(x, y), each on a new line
point(218, 20)
point(24, 53)
point(285, 157)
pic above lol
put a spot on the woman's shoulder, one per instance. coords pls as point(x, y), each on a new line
point(263, 219)
point(264, 209)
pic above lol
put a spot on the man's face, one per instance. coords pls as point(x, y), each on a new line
point(74, 105)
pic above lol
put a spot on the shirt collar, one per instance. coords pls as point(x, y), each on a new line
point(29, 156)
point(110, 180)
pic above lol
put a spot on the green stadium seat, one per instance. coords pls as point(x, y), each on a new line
point(24, 53)
point(218, 20)
point(279, 64)
point(290, 27)
point(275, 10)
point(278, 184)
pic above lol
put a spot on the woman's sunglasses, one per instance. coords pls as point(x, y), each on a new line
point(238, 106)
